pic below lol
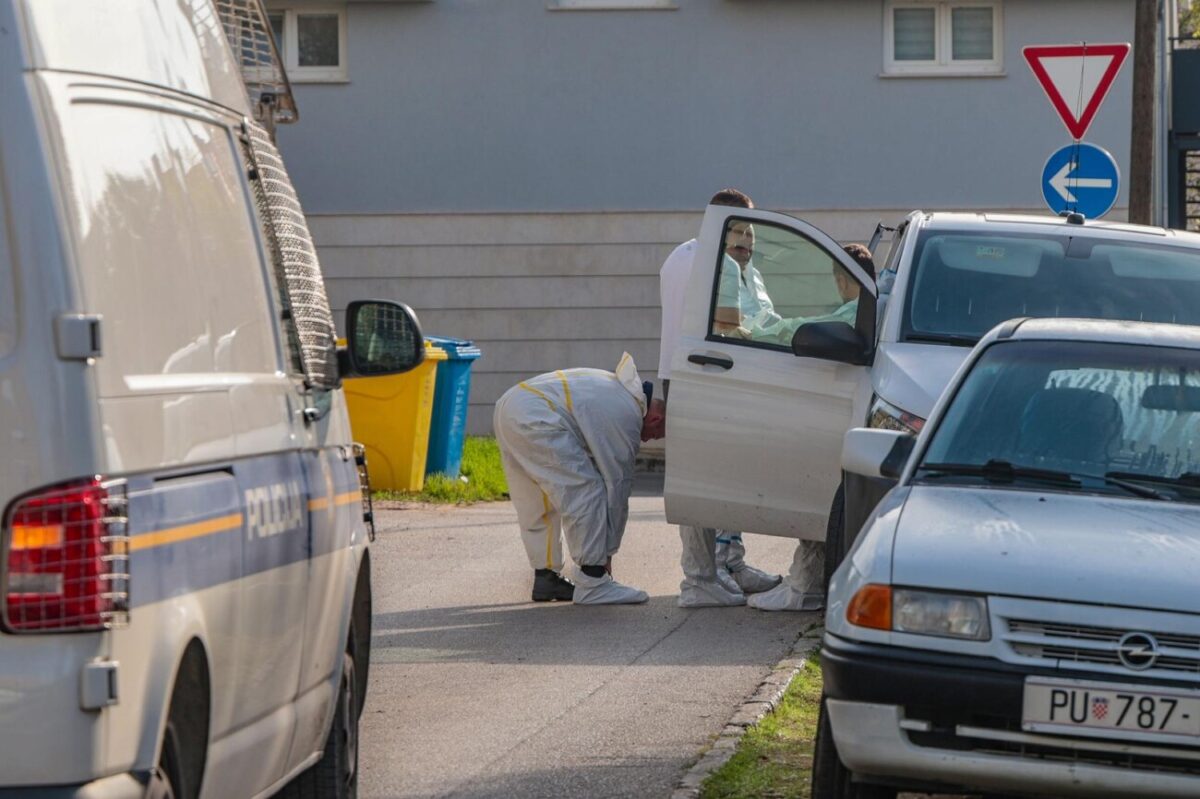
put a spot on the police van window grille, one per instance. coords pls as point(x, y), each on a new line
point(278, 276)
point(248, 30)
point(296, 267)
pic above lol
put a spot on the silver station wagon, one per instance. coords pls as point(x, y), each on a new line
point(1021, 614)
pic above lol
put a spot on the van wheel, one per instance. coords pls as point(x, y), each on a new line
point(166, 781)
point(835, 534)
point(832, 780)
point(184, 749)
point(335, 775)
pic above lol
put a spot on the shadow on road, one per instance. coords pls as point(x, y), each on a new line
point(565, 634)
point(612, 780)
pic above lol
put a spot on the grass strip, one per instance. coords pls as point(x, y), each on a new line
point(774, 757)
point(480, 465)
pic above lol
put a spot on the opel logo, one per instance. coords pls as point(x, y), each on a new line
point(1138, 651)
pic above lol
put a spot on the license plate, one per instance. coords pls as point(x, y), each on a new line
point(1124, 711)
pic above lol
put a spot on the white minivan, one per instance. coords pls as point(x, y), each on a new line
point(757, 415)
point(183, 553)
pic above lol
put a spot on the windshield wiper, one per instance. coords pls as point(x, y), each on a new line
point(998, 471)
point(1185, 480)
point(944, 338)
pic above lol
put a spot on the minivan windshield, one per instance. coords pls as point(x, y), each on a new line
point(967, 282)
point(1075, 415)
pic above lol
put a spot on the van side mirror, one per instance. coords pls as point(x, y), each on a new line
point(382, 338)
point(830, 341)
point(874, 452)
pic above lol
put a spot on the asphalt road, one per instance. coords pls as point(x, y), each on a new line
point(477, 692)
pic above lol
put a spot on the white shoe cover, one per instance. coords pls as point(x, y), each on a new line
point(754, 581)
point(604, 591)
point(726, 580)
point(708, 594)
point(784, 597)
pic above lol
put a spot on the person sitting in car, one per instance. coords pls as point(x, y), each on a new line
point(782, 330)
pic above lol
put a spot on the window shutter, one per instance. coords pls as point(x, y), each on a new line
point(971, 29)
point(914, 32)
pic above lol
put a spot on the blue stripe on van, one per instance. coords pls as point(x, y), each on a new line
point(192, 532)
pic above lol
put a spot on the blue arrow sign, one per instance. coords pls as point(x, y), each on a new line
point(1081, 177)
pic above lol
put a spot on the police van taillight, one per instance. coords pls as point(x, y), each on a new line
point(66, 559)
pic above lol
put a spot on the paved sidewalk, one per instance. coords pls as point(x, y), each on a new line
point(477, 692)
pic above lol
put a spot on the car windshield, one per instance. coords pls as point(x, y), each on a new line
point(1075, 416)
point(965, 283)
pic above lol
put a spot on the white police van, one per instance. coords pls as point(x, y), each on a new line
point(183, 558)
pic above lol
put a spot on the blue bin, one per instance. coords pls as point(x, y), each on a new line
point(452, 389)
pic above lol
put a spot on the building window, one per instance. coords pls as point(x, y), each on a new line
point(943, 37)
point(311, 42)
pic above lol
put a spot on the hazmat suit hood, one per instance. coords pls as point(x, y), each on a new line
point(627, 375)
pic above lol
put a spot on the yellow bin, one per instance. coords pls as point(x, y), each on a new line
point(390, 416)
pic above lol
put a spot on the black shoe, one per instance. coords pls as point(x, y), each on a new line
point(549, 586)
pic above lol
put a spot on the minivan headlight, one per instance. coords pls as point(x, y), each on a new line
point(887, 416)
point(947, 615)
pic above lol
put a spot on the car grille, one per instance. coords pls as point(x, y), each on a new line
point(1085, 645)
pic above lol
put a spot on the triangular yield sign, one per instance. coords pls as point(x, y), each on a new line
point(1076, 78)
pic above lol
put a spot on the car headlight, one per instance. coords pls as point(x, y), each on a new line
point(889, 417)
point(905, 610)
point(949, 615)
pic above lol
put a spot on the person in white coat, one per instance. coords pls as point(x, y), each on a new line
point(568, 441)
point(715, 572)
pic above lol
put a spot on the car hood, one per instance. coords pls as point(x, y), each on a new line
point(1070, 547)
point(913, 376)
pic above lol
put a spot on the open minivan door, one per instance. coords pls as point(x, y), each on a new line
point(778, 327)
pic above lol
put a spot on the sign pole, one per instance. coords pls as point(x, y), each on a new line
point(1141, 134)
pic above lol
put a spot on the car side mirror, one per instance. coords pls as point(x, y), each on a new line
point(873, 452)
point(830, 341)
point(382, 338)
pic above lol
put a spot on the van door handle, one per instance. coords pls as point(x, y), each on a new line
point(722, 361)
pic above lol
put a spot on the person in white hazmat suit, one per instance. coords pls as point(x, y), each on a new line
point(568, 441)
point(715, 572)
point(804, 587)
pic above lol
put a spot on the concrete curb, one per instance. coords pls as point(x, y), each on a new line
point(764, 699)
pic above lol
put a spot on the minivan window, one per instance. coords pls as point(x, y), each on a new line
point(965, 283)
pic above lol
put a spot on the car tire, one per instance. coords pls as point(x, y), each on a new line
point(335, 775)
point(831, 779)
point(183, 748)
point(166, 780)
point(835, 533)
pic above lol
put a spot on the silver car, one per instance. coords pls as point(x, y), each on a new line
point(1020, 615)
